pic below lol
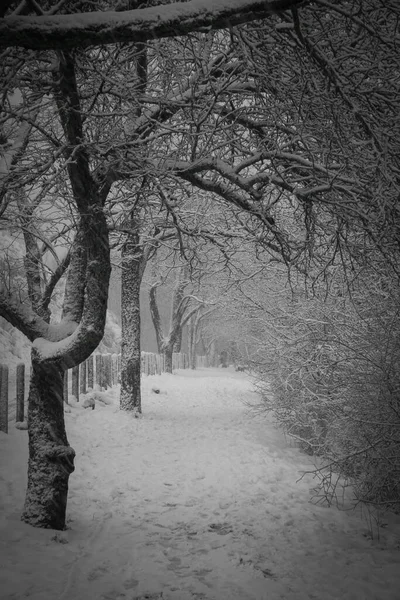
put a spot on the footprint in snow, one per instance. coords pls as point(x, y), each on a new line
point(156, 596)
point(97, 572)
point(220, 528)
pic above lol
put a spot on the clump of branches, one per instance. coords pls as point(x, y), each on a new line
point(332, 380)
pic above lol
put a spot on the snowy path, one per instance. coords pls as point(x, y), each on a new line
point(198, 499)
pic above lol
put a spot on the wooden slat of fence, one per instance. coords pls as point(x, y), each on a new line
point(82, 378)
point(4, 398)
point(90, 372)
point(20, 392)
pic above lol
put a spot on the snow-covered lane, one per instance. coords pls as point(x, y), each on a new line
point(197, 499)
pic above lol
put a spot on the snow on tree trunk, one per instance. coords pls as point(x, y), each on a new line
point(168, 352)
point(178, 343)
point(130, 398)
point(58, 346)
point(51, 458)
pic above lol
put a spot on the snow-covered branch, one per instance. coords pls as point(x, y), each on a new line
point(24, 318)
point(110, 27)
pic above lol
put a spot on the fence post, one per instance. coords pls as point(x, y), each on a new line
point(4, 398)
point(66, 386)
point(75, 382)
point(99, 380)
point(20, 392)
point(107, 371)
point(83, 378)
point(144, 363)
point(114, 369)
point(90, 372)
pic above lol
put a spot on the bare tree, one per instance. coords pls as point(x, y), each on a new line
point(142, 239)
point(56, 347)
point(181, 311)
point(194, 332)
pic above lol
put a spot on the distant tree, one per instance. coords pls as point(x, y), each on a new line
point(182, 310)
point(194, 332)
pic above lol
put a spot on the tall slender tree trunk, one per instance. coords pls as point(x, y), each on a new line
point(132, 268)
point(211, 352)
point(133, 265)
point(51, 458)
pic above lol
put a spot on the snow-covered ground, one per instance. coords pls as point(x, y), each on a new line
point(197, 499)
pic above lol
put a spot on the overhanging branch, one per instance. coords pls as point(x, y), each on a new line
point(110, 27)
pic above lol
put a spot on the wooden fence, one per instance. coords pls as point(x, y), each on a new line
point(99, 371)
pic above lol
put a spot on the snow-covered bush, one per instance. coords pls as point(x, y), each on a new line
point(332, 380)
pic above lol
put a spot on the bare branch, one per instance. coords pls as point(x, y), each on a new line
point(99, 28)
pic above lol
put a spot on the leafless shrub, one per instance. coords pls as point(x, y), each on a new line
point(334, 388)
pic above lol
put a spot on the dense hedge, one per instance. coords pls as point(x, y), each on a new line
point(332, 380)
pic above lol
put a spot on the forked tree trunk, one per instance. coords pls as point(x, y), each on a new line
point(179, 318)
point(57, 347)
point(51, 458)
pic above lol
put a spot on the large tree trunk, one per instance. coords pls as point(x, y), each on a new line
point(178, 343)
point(179, 318)
point(168, 351)
point(132, 268)
point(51, 458)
